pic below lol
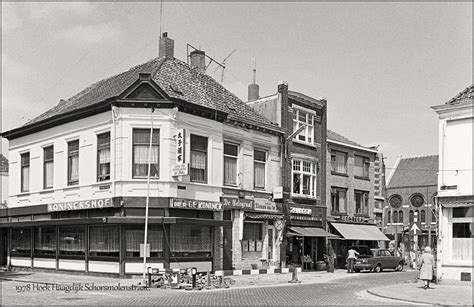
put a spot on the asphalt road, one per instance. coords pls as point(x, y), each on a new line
point(350, 291)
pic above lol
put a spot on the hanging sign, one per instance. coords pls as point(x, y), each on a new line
point(180, 157)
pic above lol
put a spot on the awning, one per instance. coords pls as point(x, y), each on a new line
point(263, 216)
point(310, 232)
point(360, 232)
point(456, 202)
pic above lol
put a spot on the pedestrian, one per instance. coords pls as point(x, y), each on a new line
point(351, 257)
point(426, 265)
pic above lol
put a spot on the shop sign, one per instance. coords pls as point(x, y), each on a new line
point(236, 203)
point(180, 169)
point(278, 192)
point(352, 218)
point(264, 205)
point(81, 205)
point(298, 210)
point(180, 146)
point(181, 203)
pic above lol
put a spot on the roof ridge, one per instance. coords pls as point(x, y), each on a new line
point(419, 157)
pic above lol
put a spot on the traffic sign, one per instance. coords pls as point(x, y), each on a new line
point(415, 229)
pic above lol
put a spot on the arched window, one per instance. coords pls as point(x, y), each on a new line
point(422, 216)
point(400, 216)
point(395, 217)
point(417, 214)
point(389, 217)
point(433, 216)
point(411, 216)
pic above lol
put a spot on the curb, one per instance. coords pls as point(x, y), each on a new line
point(256, 272)
point(401, 299)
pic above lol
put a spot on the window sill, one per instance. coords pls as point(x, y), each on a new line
point(47, 191)
point(305, 143)
point(362, 178)
point(141, 178)
point(71, 188)
point(23, 194)
point(303, 196)
point(339, 174)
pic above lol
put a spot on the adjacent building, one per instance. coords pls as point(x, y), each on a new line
point(350, 194)
point(3, 181)
point(162, 144)
point(411, 191)
point(455, 196)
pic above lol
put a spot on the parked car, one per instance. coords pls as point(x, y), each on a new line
point(378, 260)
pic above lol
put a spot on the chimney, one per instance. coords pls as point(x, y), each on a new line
point(166, 47)
point(198, 60)
point(253, 89)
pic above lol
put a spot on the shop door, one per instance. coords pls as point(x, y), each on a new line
point(227, 261)
point(271, 241)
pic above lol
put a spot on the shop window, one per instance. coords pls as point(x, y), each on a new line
point(25, 172)
point(72, 241)
point(190, 241)
point(422, 216)
point(198, 158)
point(304, 178)
point(259, 165)
point(73, 163)
point(302, 118)
point(252, 239)
point(361, 167)
point(135, 237)
point(462, 244)
point(45, 241)
point(338, 162)
point(230, 164)
point(103, 157)
point(21, 242)
point(104, 241)
point(141, 148)
point(338, 200)
point(463, 230)
point(362, 202)
point(463, 212)
point(48, 167)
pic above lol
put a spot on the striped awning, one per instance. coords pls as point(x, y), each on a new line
point(263, 216)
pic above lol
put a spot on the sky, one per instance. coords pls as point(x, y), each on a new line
point(381, 66)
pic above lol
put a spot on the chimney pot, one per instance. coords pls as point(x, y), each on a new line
point(198, 60)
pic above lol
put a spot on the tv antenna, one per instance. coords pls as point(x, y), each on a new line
point(223, 64)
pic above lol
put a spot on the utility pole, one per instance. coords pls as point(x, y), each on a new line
point(429, 224)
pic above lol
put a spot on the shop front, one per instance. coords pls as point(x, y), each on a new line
point(353, 232)
point(106, 235)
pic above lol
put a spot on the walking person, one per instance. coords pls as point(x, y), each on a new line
point(351, 257)
point(426, 266)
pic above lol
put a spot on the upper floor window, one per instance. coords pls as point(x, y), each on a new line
point(73, 162)
point(361, 166)
point(25, 172)
point(230, 164)
point(103, 156)
point(198, 158)
point(362, 202)
point(48, 167)
point(338, 200)
point(395, 216)
point(141, 148)
point(304, 178)
point(422, 216)
point(411, 216)
point(339, 162)
point(395, 201)
point(417, 200)
point(301, 118)
point(259, 162)
point(400, 216)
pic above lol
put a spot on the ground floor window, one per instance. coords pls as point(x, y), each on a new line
point(45, 240)
point(72, 240)
point(190, 241)
point(252, 240)
point(135, 237)
point(104, 241)
point(21, 242)
point(463, 237)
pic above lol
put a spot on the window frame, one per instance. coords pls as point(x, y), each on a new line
point(236, 158)
point(312, 173)
point(261, 232)
point(199, 150)
point(259, 162)
point(334, 153)
point(25, 163)
point(46, 162)
point(308, 130)
point(156, 131)
point(100, 148)
point(70, 155)
point(365, 167)
point(337, 190)
point(364, 205)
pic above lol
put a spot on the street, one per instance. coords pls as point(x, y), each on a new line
point(347, 291)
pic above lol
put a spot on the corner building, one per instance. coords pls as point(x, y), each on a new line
point(79, 175)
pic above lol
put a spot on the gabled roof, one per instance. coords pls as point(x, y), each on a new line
point(464, 96)
point(177, 79)
point(416, 171)
point(3, 164)
point(331, 135)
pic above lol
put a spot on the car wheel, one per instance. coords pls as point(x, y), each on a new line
point(356, 270)
point(378, 268)
point(399, 267)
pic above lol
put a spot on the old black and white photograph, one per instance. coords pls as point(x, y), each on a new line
point(248, 153)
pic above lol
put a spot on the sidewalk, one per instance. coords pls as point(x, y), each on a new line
point(444, 293)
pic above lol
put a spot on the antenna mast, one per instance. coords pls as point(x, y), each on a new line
point(161, 15)
point(254, 71)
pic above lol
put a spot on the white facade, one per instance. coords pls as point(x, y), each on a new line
point(455, 190)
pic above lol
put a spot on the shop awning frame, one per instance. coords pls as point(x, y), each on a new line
point(310, 232)
point(263, 216)
point(359, 232)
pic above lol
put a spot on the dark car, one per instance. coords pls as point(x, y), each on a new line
point(378, 260)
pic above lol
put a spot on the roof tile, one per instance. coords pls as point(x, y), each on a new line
point(416, 171)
